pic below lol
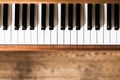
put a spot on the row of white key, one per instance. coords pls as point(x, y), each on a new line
point(58, 36)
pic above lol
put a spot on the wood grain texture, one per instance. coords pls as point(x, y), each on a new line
point(59, 1)
point(62, 65)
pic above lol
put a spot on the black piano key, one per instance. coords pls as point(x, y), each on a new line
point(89, 14)
point(97, 16)
point(24, 16)
point(32, 16)
point(5, 16)
point(78, 16)
point(63, 15)
point(17, 16)
point(116, 16)
point(51, 16)
point(70, 16)
point(43, 20)
point(109, 16)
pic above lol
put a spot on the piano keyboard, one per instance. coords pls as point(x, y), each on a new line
point(60, 24)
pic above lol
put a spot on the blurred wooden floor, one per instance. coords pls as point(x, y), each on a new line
point(62, 65)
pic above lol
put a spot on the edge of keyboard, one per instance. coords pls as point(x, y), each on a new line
point(59, 1)
point(59, 47)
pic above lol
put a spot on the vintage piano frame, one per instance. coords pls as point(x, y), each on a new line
point(58, 47)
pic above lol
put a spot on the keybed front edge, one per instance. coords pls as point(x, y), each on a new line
point(59, 1)
point(60, 47)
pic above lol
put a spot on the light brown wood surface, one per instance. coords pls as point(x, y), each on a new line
point(62, 65)
point(59, 1)
point(59, 47)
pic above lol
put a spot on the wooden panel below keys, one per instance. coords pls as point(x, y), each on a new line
point(62, 65)
point(59, 1)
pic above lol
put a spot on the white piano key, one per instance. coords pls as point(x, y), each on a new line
point(41, 35)
point(118, 33)
point(47, 35)
point(14, 32)
point(33, 36)
point(67, 36)
point(118, 37)
point(107, 33)
point(47, 32)
point(1, 26)
point(2, 38)
point(74, 31)
point(73, 36)
point(27, 36)
point(21, 36)
point(113, 31)
point(93, 36)
point(27, 32)
point(54, 32)
point(113, 36)
point(34, 32)
point(100, 36)
point(87, 33)
point(80, 33)
point(93, 31)
point(60, 32)
point(7, 33)
point(67, 33)
point(80, 36)
point(99, 33)
point(21, 33)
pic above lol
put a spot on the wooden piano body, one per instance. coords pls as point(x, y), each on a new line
point(55, 47)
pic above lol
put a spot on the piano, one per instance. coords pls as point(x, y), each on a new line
point(59, 25)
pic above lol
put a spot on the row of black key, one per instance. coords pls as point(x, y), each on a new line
point(109, 16)
point(17, 16)
point(63, 16)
